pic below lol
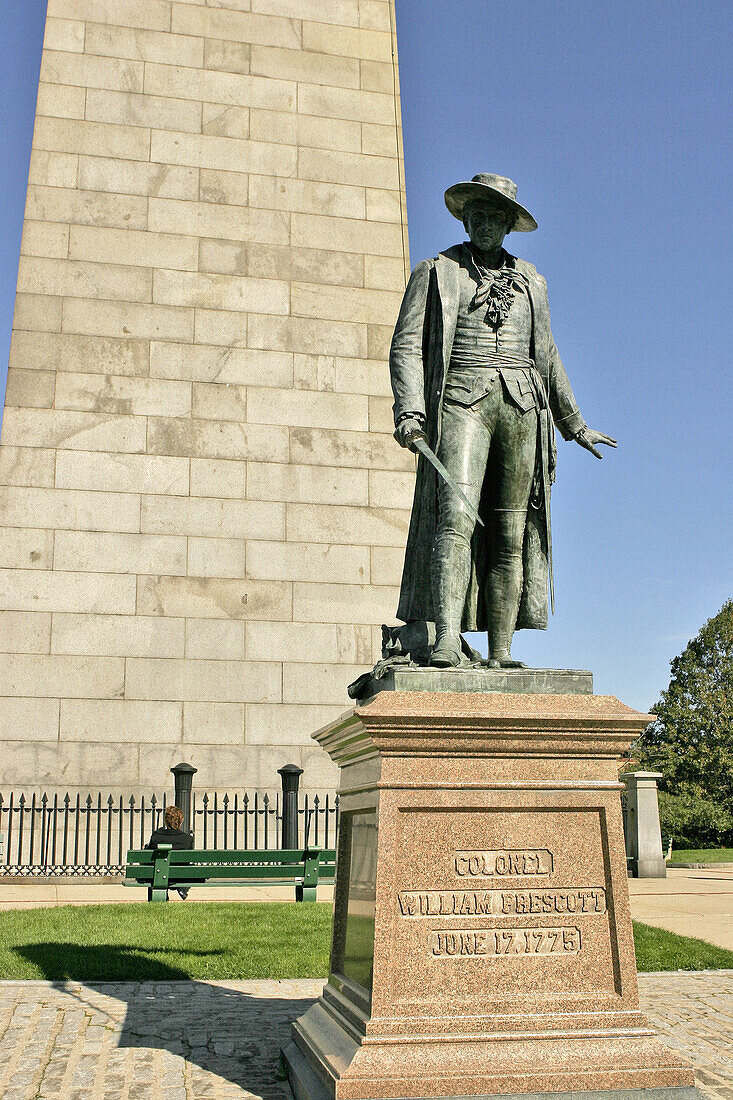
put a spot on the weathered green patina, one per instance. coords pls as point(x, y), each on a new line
point(476, 373)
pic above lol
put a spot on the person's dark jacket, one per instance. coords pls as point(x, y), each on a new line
point(175, 837)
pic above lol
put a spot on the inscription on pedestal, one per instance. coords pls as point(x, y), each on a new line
point(501, 903)
point(512, 942)
point(508, 895)
point(528, 901)
point(533, 861)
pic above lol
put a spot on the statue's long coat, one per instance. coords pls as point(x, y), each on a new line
point(419, 357)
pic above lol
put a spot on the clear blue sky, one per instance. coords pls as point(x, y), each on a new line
point(614, 120)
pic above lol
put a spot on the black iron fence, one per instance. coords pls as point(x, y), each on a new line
point(89, 836)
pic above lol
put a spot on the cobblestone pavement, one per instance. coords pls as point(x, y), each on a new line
point(146, 1040)
point(217, 1040)
point(693, 1012)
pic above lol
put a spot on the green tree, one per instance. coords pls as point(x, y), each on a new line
point(691, 742)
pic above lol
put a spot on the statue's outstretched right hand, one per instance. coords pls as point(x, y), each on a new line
point(407, 430)
point(587, 438)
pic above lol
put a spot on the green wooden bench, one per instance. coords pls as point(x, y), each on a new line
point(166, 869)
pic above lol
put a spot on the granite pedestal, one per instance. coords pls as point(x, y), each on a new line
point(482, 940)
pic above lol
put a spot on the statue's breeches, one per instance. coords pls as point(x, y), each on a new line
point(492, 431)
point(497, 437)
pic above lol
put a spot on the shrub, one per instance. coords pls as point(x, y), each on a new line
point(694, 820)
point(691, 741)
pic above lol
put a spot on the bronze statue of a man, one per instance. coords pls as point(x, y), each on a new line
point(475, 372)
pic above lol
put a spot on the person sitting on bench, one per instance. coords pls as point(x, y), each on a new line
point(172, 834)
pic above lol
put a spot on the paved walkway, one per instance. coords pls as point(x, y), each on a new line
point(220, 1040)
point(32, 895)
point(689, 901)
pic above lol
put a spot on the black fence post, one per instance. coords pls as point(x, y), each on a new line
point(290, 776)
point(183, 777)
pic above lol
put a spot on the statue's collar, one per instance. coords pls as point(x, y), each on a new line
point(506, 260)
point(507, 271)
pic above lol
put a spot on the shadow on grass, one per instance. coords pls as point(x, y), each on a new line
point(227, 1032)
point(88, 963)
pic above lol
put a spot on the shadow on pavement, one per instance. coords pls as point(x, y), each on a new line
point(228, 1032)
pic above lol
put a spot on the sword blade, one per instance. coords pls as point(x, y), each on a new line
point(420, 445)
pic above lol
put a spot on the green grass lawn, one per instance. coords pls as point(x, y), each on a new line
point(701, 855)
point(216, 940)
point(657, 949)
point(220, 940)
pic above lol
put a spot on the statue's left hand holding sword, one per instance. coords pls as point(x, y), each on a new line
point(411, 434)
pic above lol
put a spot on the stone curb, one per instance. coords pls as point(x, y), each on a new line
point(702, 866)
point(240, 983)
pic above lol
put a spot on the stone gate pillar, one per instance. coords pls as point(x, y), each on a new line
point(643, 834)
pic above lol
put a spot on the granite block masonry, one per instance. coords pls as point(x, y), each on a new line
point(203, 510)
point(482, 940)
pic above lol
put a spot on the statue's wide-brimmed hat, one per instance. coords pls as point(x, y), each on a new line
point(494, 189)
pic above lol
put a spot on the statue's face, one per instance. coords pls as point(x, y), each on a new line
point(486, 225)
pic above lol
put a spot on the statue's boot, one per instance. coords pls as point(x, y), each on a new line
point(447, 650)
point(501, 630)
point(505, 591)
point(450, 573)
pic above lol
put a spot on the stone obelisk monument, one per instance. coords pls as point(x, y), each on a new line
point(202, 508)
